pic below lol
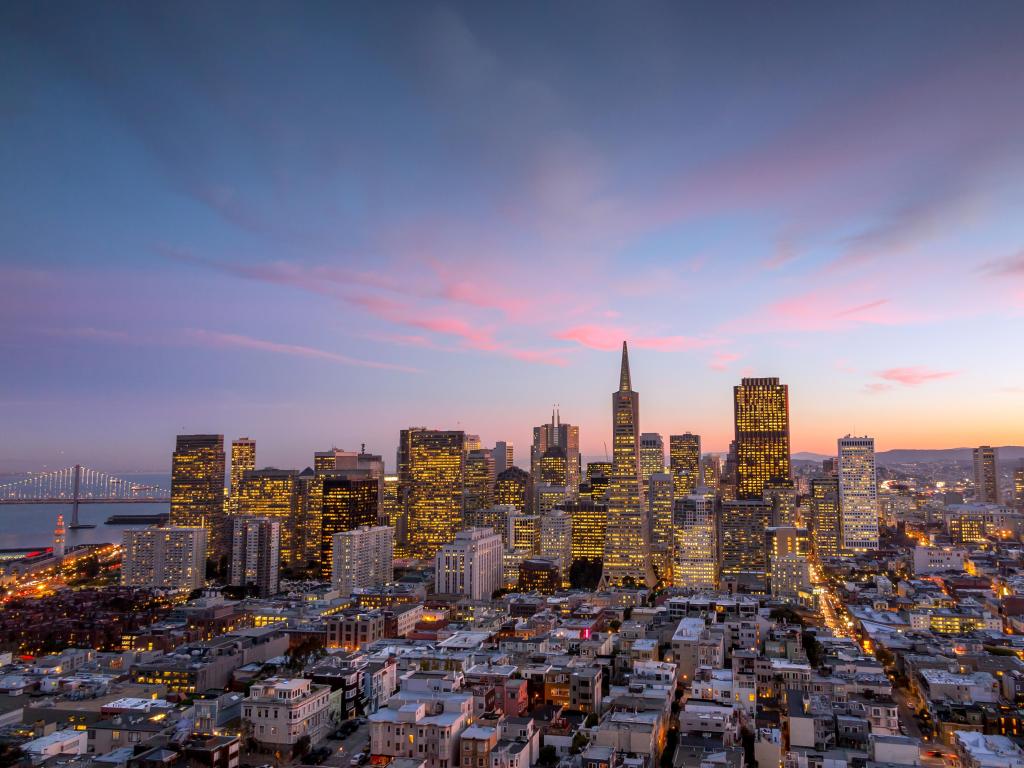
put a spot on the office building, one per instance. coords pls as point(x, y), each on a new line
point(470, 564)
point(986, 475)
point(782, 498)
point(255, 553)
point(432, 471)
point(599, 475)
point(660, 497)
point(589, 524)
point(743, 522)
point(197, 487)
point(164, 558)
point(363, 558)
point(565, 436)
point(695, 564)
point(652, 456)
point(539, 574)
point(761, 408)
point(825, 518)
point(522, 532)
point(504, 456)
point(546, 497)
point(781, 540)
point(275, 494)
point(858, 494)
point(711, 471)
point(243, 459)
point(627, 549)
point(350, 500)
point(1018, 486)
point(556, 539)
point(391, 507)
point(480, 481)
point(684, 463)
point(514, 487)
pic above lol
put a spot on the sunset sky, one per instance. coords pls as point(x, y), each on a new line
point(317, 224)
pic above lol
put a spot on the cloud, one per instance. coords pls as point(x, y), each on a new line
point(721, 360)
point(823, 309)
point(1010, 266)
point(609, 338)
point(913, 376)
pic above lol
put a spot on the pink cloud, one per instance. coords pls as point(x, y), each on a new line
point(721, 360)
point(824, 309)
point(608, 338)
point(912, 376)
point(218, 339)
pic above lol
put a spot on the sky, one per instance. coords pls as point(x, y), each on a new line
point(317, 223)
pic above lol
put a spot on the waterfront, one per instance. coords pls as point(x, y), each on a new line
point(31, 525)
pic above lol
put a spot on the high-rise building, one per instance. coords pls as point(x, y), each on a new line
point(627, 549)
point(825, 519)
point(858, 494)
point(471, 564)
point(539, 574)
point(255, 553)
point(433, 474)
point(243, 459)
point(546, 497)
point(695, 563)
point(1018, 486)
point(599, 474)
point(780, 540)
point(652, 456)
point(164, 558)
point(589, 523)
point(504, 456)
point(553, 467)
point(349, 501)
point(743, 523)
point(782, 498)
point(986, 475)
point(362, 558)
point(480, 480)
point(274, 493)
point(471, 443)
point(660, 497)
point(390, 509)
point(556, 539)
point(684, 463)
point(762, 436)
point(522, 532)
point(197, 487)
point(514, 487)
point(711, 471)
point(567, 437)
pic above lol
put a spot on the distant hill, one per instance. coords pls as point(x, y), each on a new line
point(943, 455)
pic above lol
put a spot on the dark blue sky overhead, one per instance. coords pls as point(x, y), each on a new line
point(317, 223)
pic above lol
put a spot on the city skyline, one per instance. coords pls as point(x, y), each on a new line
point(346, 222)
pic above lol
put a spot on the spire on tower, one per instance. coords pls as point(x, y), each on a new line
point(624, 382)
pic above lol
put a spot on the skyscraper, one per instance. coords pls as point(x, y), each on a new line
point(825, 522)
point(165, 558)
point(986, 475)
point(275, 493)
point(471, 564)
point(696, 541)
point(684, 463)
point(652, 456)
point(762, 436)
point(514, 487)
point(255, 553)
point(349, 501)
point(197, 488)
point(599, 474)
point(556, 540)
point(567, 437)
point(480, 479)
point(743, 523)
point(362, 558)
point(627, 549)
point(858, 494)
point(433, 475)
point(243, 459)
point(660, 496)
point(589, 524)
point(1018, 486)
point(504, 456)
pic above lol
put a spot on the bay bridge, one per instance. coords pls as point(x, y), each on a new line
point(80, 485)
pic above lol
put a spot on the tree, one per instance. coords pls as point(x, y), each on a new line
point(579, 742)
point(585, 573)
point(548, 755)
point(301, 748)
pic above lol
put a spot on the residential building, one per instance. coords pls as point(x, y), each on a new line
point(986, 475)
point(255, 553)
point(858, 494)
point(166, 558)
point(279, 711)
point(363, 558)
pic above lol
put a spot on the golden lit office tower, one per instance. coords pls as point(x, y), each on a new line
point(1018, 486)
point(554, 467)
point(523, 532)
point(684, 463)
point(556, 540)
point(660, 497)
point(390, 510)
point(350, 501)
point(824, 523)
point(627, 549)
point(858, 494)
point(546, 497)
point(781, 540)
point(197, 488)
point(782, 498)
point(589, 524)
point(599, 475)
point(471, 443)
point(711, 471)
point(243, 459)
point(986, 475)
point(761, 408)
point(434, 471)
point(275, 494)
point(695, 565)
point(480, 480)
point(514, 487)
point(652, 456)
point(743, 523)
point(567, 436)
